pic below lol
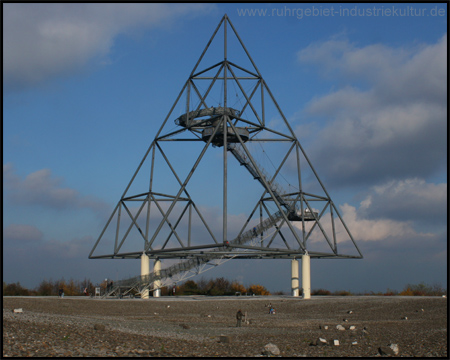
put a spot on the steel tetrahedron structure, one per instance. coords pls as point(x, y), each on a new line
point(225, 177)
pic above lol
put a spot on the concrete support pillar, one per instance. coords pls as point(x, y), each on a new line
point(145, 271)
point(306, 276)
point(157, 283)
point(294, 278)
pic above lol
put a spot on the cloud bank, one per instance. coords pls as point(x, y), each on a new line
point(44, 41)
point(40, 188)
point(389, 120)
point(411, 199)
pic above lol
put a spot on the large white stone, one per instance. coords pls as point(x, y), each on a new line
point(394, 348)
point(271, 349)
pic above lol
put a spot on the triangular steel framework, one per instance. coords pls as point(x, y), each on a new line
point(170, 220)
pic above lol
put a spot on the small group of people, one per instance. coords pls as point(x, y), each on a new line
point(271, 308)
point(240, 315)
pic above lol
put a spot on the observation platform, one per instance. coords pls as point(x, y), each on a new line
point(231, 135)
point(297, 216)
point(190, 119)
point(207, 119)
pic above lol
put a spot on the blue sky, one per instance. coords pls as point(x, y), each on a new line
point(87, 86)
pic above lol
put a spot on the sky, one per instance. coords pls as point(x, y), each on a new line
point(86, 87)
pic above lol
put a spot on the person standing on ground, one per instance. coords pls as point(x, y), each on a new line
point(239, 316)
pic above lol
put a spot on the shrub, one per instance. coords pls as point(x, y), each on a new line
point(438, 290)
point(238, 287)
point(279, 293)
point(258, 290)
point(15, 289)
point(423, 289)
point(406, 292)
point(342, 293)
point(320, 292)
point(223, 285)
point(45, 288)
point(71, 288)
point(390, 292)
point(190, 287)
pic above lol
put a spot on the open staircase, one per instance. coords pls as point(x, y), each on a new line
point(167, 276)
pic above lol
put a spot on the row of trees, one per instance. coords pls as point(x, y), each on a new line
point(215, 287)
point(49, 288)
point(423, 289)
point(212, 287)
point(420, 289)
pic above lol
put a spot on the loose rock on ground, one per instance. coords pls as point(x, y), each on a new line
point(51, 326)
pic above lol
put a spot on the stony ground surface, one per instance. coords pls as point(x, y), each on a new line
point(204, 326)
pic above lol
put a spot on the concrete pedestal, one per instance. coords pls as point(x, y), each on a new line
point(306, 277)
point(294, 278)
point(157, 283)
point(145, 271)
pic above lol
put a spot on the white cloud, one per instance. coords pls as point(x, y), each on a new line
point(396, 71)
point(393, 128)
point(374, 230)
point(41, 41)
point(366, 229)
point(22, 233)
point(390, 213)
point(41, 188)
point(411, 199)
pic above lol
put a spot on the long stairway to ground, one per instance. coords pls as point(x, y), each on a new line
point(246, 237)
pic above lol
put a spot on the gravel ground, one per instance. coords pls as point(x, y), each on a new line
point(205, 326)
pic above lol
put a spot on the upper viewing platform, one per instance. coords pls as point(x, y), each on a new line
point(190, 119)
point(208, 119)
